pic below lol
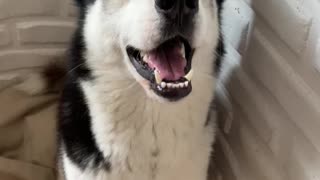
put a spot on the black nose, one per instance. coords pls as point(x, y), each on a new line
point(177, 8)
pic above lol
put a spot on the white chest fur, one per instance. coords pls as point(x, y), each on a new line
point(145, 139)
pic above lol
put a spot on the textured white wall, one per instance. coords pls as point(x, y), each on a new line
point(275, 93)
point(34, 31)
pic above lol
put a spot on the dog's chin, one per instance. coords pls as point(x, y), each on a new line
point(152, 94)
point(165, 71)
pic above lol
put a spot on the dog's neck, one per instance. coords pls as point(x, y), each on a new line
point(121, 110)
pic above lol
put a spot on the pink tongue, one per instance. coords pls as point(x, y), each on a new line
point(168, 62)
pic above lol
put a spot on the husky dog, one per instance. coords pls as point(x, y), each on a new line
point(141, 79)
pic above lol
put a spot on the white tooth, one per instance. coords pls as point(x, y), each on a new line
point(163, 85)
point(176, 86)
point(186, 83)
point(189, 75)
point(181, 85)
point(183, 51)
point(157, 76)
point(145, 58)
point(169, 85)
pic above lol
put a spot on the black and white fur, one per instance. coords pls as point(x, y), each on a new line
point(111, 126)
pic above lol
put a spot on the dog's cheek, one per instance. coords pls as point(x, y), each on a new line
point(206, 26)
point(199, 31)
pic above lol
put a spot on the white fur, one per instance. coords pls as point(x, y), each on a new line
point(145, 136)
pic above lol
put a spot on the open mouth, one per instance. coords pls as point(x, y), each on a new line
point(167, 67)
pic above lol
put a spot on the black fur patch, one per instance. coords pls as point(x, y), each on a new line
point(220, 50)
point(77, 64)
point(83, 4)
point(219, 3)
point(75, 131)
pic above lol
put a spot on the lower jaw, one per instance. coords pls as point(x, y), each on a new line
point(154, 89)
point(172, 94)
point(173, 91)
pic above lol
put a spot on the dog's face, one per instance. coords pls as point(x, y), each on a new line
point(161, 42)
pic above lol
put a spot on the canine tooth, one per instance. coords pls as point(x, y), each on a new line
point(145, 58)
point(186, 83)
point(157, 76)
point(163, 84)
point(183, 51)
point(189, 75)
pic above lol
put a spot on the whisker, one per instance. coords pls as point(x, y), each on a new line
point(73, 69)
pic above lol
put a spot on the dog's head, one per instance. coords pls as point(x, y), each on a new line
point(161, 43)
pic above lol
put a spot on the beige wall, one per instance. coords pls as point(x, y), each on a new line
point(33, 31)
point(275, 131)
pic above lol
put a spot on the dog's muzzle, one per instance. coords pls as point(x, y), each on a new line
point(168, 66)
